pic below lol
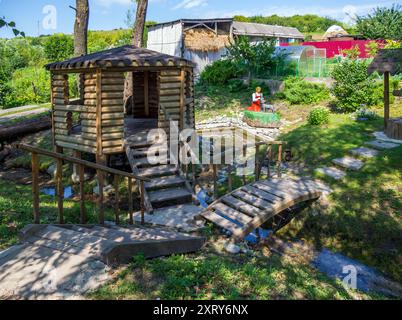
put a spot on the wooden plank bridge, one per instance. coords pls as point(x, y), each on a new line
point(249, 206)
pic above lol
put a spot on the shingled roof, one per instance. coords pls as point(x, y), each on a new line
point(126, 56)
point(387, 60)
point(265, 30)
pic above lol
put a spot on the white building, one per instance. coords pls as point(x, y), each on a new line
point(204, 40)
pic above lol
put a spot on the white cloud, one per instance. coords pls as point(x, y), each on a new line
point(188, 4)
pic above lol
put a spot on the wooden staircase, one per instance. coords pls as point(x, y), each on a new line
point(167, 186)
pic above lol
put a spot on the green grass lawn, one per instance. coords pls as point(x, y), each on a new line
point(363, 220)
point(211, 274)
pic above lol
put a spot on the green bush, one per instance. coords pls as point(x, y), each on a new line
point(298, 91)
point(58, 47)
point(354, 86)
point(28, 85)
point(318, 116)
point(220, 72)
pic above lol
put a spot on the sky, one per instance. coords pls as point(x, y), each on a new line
point(36, 17)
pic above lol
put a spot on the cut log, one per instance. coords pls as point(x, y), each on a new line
point(13, 131)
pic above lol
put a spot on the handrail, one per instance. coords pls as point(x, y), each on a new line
point(85, 163)
point(101, 169)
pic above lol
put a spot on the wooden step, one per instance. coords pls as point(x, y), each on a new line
point(171, 195)
point(158, 171)
point(143, 152)
point(165, 182)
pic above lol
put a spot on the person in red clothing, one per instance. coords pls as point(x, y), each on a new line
point(258, 100)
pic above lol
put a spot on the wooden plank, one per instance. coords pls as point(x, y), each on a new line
point(113, 75)
point(72, 108)
point(167, 79)
point(241, 205)
point(221, 208)
point(269, 198)
point(170, 92)
point(251, 199)
point(112, 88)
point(109, 116)
point(111, 150)
point(171, 85)
point(76, 141)
point(175, 98)
point(113, 143)
point(221, 221)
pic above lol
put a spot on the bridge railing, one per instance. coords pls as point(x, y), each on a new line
point(82, 164)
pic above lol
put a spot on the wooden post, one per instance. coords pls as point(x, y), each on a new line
point(279, 160)
point(215, 169)
point(193, 173)
point(116, 198)
point(35, 186)
point(269, 155)
point(146, 93)
point(130, 200)
point(142, 193)
point(182, 93)
point(386, 99)
point(230, 183)
point(99, 112)
point(60, 190)
point(83, 215)
point(256, 169)
point(101, 182)
point(244, 168)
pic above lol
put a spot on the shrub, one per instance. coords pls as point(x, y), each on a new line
point(354, 86)
point(318, 116)
point(28, 85)
point(59, 47)
point(364, 113)
point(220, 72)
point(298, 91)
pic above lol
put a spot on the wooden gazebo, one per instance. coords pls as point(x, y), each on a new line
point(99, 123)
point(389, 62)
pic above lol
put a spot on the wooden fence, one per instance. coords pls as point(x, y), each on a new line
point(82, 164)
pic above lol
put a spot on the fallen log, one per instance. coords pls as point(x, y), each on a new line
point(10, 132)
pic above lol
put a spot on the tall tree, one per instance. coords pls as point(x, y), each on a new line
point(81, 35)
point(139, 24)
point(138, 41)
point(81, 28)
point(382, 23)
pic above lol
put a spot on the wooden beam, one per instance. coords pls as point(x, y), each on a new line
point(182, 98)
point(386, 98)
point(35, 186)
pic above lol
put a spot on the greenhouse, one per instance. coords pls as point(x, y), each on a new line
point(303, 61)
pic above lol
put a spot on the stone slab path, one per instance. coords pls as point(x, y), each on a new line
point(364, 152)
point(332, 172)
point(381, 145)
point(349, 163)
point(352, 163)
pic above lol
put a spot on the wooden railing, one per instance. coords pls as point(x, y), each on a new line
point(82, 164)
point(258, 163)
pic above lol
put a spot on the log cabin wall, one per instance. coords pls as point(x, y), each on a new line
point(101, 114)
point(59, 99)
point(112, 112)
point(169, 96)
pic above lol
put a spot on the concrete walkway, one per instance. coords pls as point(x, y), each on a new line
point(19, 112)
point(67, 261)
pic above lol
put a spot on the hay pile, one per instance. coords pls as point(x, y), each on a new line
point(205, 40)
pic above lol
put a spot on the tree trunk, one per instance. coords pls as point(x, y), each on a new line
point(138, 41)
point(22, 128)
point(81, 35)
